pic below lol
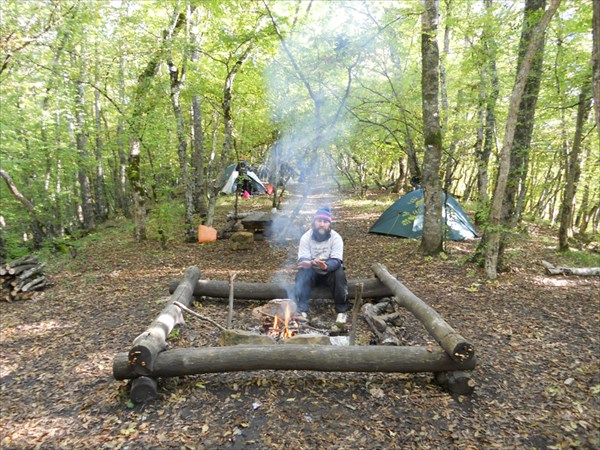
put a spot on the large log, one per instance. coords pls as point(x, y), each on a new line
point(147, 346)
point(323, 358)
point(580, 271)
point(372, 288)
point(459, 349)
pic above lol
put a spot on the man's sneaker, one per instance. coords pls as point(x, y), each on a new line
point(341, 318)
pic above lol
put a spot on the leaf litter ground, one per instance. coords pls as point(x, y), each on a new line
point(536, 337)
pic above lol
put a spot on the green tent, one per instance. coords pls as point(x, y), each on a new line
point(405, 218)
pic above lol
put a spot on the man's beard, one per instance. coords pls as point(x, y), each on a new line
point(320, 235)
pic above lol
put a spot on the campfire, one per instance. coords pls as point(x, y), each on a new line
point(279, 320)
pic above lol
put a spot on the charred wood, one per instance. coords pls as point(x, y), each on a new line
point(384, 332)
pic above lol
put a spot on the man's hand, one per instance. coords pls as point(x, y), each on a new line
point(320, 264)
point(305, 264)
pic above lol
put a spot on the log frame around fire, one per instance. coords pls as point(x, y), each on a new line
point(148, 358)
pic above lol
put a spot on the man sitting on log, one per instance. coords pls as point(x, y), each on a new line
point(320, 262)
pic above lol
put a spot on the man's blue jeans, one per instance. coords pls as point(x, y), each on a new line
point(306, 279)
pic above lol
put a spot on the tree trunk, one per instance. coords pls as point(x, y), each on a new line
point(431, 243)
point(36, 225)
point(596, 62)
point(323, 358)
point(372, 288)
point(99, 188)
point(121, 192)
point(87, 205)
point(228, 135)
point(457, 347)
point(573, 170)
point(493, 233)
point(198, 158)
point(139, 108)
point(138, 190)
point(490, 75)
point(519, 155)
point(177, 82)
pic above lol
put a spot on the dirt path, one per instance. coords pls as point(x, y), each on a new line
point(536, 337)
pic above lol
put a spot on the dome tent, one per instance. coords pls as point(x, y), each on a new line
point(405, 218)
point(231, 175)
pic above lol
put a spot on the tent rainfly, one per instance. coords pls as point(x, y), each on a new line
point(405, 218)
point(231, 176)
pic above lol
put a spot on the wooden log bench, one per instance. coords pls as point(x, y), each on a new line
point(148, 359)
point(372, 288)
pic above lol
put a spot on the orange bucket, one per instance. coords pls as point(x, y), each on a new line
point(206, 234)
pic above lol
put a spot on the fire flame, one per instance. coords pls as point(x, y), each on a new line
point(285, 327)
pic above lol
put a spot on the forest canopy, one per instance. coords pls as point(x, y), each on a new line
point(114, 108)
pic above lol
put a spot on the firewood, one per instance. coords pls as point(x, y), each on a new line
point(355, 308)
point(457, 347)
point(384, 333)
point(33, 271)
point(24, 260)
point(16, 270)
point(35, 283)
point(324, 358)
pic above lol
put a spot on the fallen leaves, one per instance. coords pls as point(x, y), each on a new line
point(538, 383)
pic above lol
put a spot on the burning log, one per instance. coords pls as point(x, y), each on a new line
point(323, 358)
point(457, 347)
point(372, 288)
point(21, 277)
point(147, 346)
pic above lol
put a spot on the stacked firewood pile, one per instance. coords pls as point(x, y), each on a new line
point(20, 278)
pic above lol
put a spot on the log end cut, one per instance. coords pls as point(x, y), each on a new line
point(463, 351)
point(143, 389)
point(141, 359)
point(456, 382)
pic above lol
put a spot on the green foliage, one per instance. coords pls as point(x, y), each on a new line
point(579, 258)
point(174, 334)
point(373, 44)
point(165, 222)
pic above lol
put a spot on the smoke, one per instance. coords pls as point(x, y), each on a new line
point(309, 87)
point(309, 83)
